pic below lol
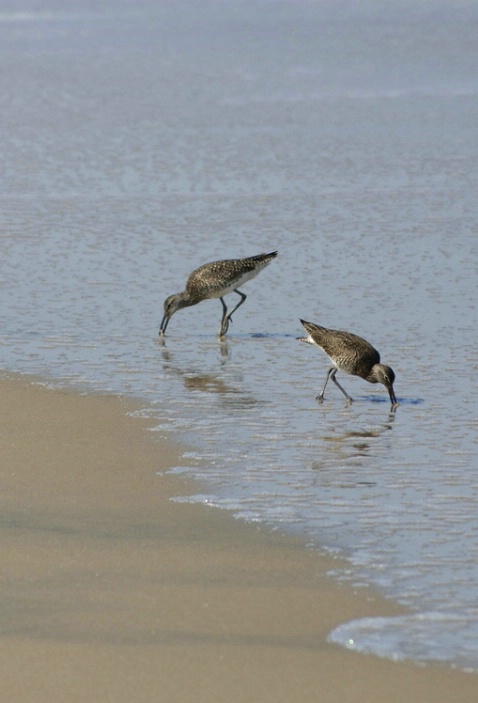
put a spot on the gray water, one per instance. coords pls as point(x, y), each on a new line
point(140, 140)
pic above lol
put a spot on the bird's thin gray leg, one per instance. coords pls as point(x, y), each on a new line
point(243, 297)
point(226, 320)
point(320, 397)
point(339, 386)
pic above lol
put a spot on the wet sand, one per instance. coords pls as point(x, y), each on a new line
point(112, 592)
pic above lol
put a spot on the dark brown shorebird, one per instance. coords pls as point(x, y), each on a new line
point(215, 280)
point(351, 354)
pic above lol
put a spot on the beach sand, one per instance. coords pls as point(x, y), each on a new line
point(111, 592)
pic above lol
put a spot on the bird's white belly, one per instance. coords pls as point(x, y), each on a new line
point(240, 280)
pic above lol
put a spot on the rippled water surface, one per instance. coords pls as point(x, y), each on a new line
point(145, 139)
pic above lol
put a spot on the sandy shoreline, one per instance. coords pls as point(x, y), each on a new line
point(112, 592)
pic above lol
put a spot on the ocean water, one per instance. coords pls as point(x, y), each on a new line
point(141, 139)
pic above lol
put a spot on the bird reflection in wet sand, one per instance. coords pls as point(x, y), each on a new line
point(215, 280)
point(351, 354)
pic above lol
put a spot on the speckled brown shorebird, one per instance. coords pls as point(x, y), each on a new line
point(351, 354)
point(215, 280)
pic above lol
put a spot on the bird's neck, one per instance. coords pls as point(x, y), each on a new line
point(186, 299)
point(373, 375)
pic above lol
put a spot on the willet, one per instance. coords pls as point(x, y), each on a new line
point(351, 354)
point(215, 280)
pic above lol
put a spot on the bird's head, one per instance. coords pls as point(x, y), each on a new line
point(384, 374)
point(171, 305)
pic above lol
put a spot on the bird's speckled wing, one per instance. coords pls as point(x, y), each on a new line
point(221, 276)
point(344, 348)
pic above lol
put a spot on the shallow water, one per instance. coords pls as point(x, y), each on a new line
point(143, 141)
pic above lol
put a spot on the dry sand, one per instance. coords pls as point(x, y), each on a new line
point(112, 593)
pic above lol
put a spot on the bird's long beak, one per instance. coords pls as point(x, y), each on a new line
point(164, 324)
point(391, 393)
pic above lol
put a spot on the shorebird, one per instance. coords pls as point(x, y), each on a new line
point(351, 354)
point(215, 280)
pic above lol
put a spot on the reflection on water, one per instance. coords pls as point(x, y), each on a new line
point(347, 450)
point(232, 396)
point(222, 344)
point(363, 434)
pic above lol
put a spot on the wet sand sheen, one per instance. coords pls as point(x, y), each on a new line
point(110, 591)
